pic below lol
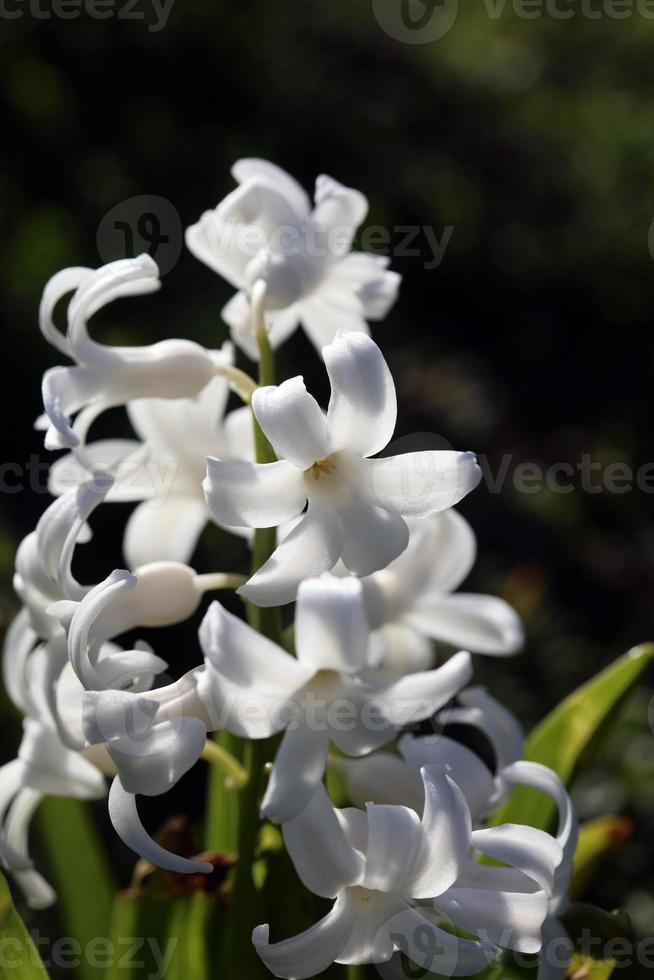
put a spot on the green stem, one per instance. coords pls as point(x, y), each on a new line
point(218, 755)
point(256, 753)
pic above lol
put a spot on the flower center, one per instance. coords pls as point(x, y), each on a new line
point(322, 468)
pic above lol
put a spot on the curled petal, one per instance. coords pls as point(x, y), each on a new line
point(312, 951)
point(125, 819)
point(363, 405)
point(532, 851)
point(323, 856)
point(56, 288)
point(253, 168)
point(394, 849)
point(446, 828)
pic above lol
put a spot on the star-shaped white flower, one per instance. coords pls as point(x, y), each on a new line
point(412, 602)
point(355, 506)
point(266, 229)
point(165, 470)
point(398, 878)
point(106, 376)
point(254, 689)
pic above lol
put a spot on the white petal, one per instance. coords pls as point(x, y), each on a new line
point(50, 767)
point(324, 859)
point(555, 956)
point(373, 536)
point(466, 769)
point(496, 721)
point(436, 950)
point(297, 772)
point(20, 639)
point(279, 323)
point(248, 680)
point(55, 289)
point(418, 696)
point(323, 319)
point(367, 275)
point(396, 650)
point(238, 434)
point(312, 951)
point(532, 851)
point(38, 893)
point(125, 819)
point(152, 765)
point(547, 781)
point(293, 422)
point(479, 623)
point(499, 905)
point(363, 405)
point(420, 484)
point(446, 827)
point(382, 778)
point(244, 494)
point(313, 547)
point(451, 546)
point(372, 940)
point(338, 213)
point(249, 168)
point(111, 456)
point(164, 530)
point(395, 844)
point(331, 631)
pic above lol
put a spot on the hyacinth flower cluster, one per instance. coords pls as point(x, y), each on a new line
point(367, 547)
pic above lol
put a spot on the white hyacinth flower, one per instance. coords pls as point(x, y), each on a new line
point(412, 602)
point(398, 878)
point(355, 506)
point(106, 376)
point(152, 737)
point(388, 778)
point(253, 688)
point(266, 229)
point(165, 470)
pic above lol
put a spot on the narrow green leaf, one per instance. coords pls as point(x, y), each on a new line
point(597, 838)
point(140, 945)
point(20, 958)
point(560, 740)
point(79, 871)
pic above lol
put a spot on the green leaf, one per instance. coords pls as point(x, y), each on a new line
point(596, 839)
point(21, 960)
point(561, 739)
point(78, 869)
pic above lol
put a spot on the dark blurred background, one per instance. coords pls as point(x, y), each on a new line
point(526, 146)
